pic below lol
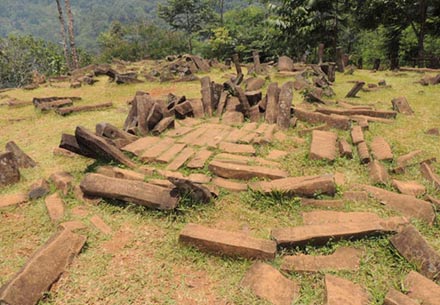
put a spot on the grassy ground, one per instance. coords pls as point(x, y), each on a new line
point(142, 263)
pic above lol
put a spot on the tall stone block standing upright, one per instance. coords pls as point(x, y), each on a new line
point(340, 60)
point(285, 105)
point(207, 95)
point(320, 53)
point(9, 173)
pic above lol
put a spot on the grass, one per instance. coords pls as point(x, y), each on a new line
point(150, 267)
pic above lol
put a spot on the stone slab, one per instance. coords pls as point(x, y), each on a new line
point(422, 289)
point(55, 207)
point(237, 148)
point(245, 172)
point(269, 284)
point(341, 291)
point(199, 160)
point(181, 158)
point(235, 244)
point(381, 150)
point(151, 154)
point(12, 200)
point(323, 145)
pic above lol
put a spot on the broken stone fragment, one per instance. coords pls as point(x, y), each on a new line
point(23, 160)
point(341, 291)
point(9, 173)
point(43, 269)
point(269, 284)
point(38, 189)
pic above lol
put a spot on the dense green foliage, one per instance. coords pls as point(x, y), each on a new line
point(139, 41)
point(40, 18)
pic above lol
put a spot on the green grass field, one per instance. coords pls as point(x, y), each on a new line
point(142, 263)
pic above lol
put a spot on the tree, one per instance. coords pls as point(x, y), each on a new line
point(189, 16)
point(63, 33)
point(75, 62)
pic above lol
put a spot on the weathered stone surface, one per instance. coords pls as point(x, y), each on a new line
point(246, 160)
point(357, 135)
point(319, 203)
point(237, 148)
point(356, 195)
point(356, 88)
point(401, 105)
point(422, 289)
point(120, 173)
point(46, 106)
point(321, 234)
point(198, 110)
point(334, 120)
point(69, 143)
point(183, 110)
point(412, 246)
point(395, 297)
point(151, 154)
point(62, 181)
point(381, 150)
point(342, 259)
point(254, 97)
point(68, 110)
point(12, 200)
point(378, 173)
point(363, 153)
point(199, 178)
point(409, 187)
point(273, 93)
point(112, 132)
point(164, 124)
point(38, 189)
point(254, 83)
point(325, 217)
point(306, 186)
point(199, 160)
point(9, 173)
point(61, 152)
point(80, 196)
point(100, 148)
point(101, 225)
point(72, 225)
point(129, 190)
point(55, 207)
point(428, 174)
point(408, 206)
point(341, 291)
point(229, 185)
point(406, 160)
point(245, 172)
point(232, 118)
point(23, 160)
point(382, 114)
point(345, 149)
point(196, 191)
point(269, 284)
point(323, 145)
point(284, 106)
point(227, 243)
point(139, 146)
point(285, 64)
point(181, 158)
point(170, 153)
point(45, 267)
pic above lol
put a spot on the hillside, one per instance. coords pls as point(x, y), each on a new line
point(40, 17)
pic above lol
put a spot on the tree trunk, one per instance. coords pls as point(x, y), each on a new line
point(75, 63)
point(222, 3)
point(423, 9)
point(63, 34)
point(393, 36)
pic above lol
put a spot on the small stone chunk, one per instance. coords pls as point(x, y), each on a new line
point(345, 150)
point(342, 259)
point(9, 173)
point(341, 291)
point(422, 289)
point(323, 145)
point(409, 187)
point(378, 173)
point(364, 155)
point(395, 297)
point(55, 207)
point(23, 160)
point(401, 105)
point(428, 174)
point(38, 189)
point(62, 180)
point(100, 225)
point(269, 284)
point(227, 243)
point(357, 136)
point(411, 245)
point(381, 150)
point(12, 200)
